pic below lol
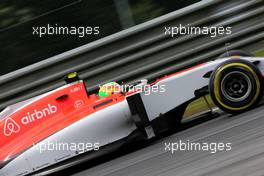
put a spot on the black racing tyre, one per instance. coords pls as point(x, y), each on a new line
point(236, 86)
point(233, 53)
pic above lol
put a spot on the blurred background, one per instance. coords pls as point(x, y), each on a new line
point(131, 44)
point(20, 48)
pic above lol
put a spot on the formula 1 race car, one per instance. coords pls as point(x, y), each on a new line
point(40, 135)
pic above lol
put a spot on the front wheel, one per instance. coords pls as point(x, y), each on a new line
point(234, 53)
point(236, 86)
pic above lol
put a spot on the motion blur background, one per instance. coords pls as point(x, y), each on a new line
point(20, 48)
point(131, 44)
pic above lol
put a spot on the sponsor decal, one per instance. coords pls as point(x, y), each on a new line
point(39, 114)
point(11, 126)
point(78, 104)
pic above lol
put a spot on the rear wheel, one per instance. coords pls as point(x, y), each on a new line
point(236, 86)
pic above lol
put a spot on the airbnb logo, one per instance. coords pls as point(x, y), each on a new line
point(39, 114)
point(10, 127)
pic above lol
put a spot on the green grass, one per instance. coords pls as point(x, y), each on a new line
point(260, 53)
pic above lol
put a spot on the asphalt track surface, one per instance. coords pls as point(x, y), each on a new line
point(244, 131)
